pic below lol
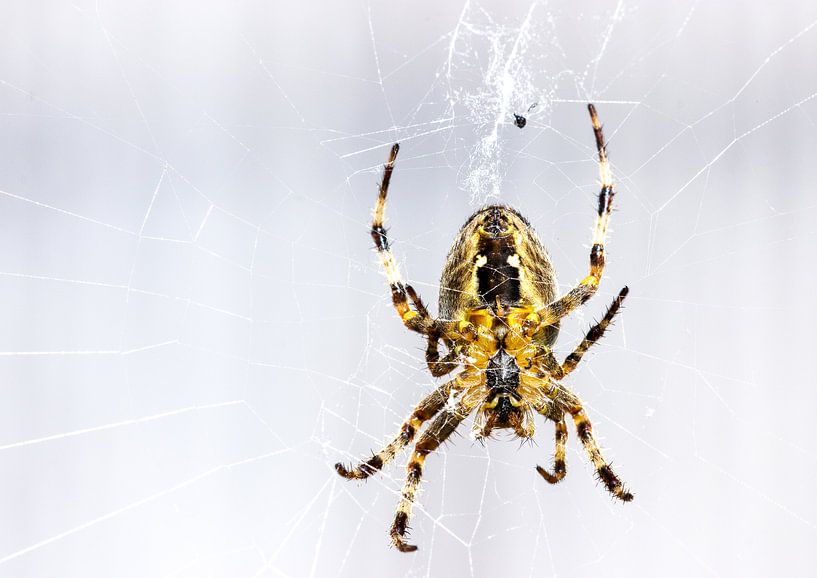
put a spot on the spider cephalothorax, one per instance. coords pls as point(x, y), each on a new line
point(499, 317)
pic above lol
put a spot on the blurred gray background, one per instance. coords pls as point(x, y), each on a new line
point(195, 327)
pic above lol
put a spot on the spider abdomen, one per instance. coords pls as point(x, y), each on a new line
point(496, 257)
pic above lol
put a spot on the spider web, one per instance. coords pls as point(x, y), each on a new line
point(196, 327)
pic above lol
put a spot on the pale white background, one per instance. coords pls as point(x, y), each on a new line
point(195, 328)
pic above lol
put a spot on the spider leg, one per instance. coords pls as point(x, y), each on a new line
point(566, 400)
point(419, 320)
point(559, 464)
point(554, 311)
point(594, 334)
point(439, 430)
point(439, 367)
point(603, 470)
point(428, 407)
point(571, 403)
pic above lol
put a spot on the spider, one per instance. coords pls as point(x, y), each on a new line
point(499, 318)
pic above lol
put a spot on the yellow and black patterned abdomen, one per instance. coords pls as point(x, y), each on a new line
point(496, 256)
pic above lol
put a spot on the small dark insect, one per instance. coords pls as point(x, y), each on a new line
point(520, 120)
point(499, 318)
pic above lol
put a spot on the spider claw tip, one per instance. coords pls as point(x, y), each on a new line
point(549, 478)
point(403, 547)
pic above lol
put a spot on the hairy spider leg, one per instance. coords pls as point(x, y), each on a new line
point(594, 334)
point(603, 470)
point(438, 367)
point(419, 320)
point(569, 401)
point(559, 464)
point(577, 296)
point(565, 400)
point(428, 407)
point(439, 430)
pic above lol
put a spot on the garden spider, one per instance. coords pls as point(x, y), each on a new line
point(498, 320)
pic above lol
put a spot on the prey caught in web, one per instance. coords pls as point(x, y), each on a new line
point(499, 318)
